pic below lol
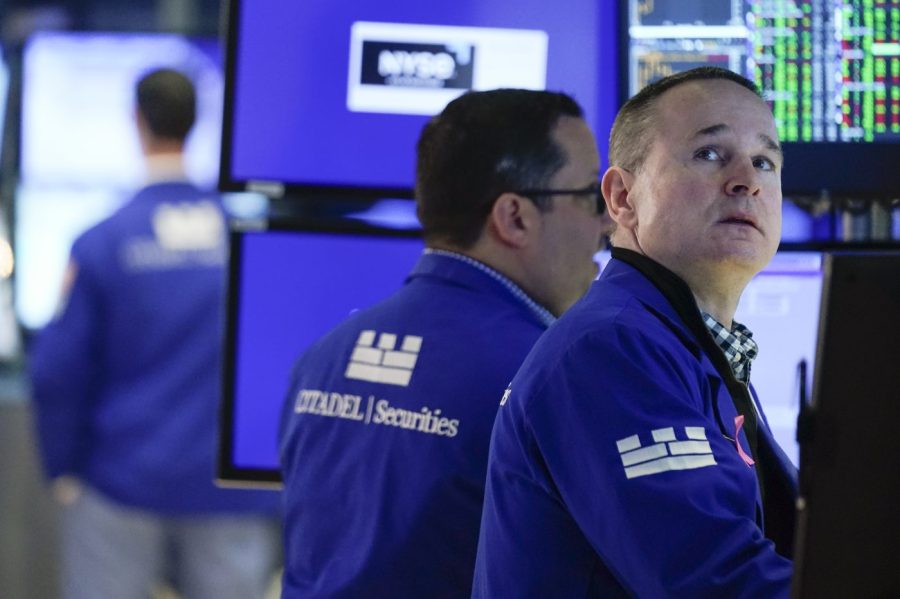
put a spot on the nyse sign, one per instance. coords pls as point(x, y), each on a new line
point(417, 69)
point(404, 64)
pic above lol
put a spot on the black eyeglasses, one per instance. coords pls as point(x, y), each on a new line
point(591, 190)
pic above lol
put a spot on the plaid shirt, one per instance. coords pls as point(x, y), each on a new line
point(737, 343)
point(541, 312)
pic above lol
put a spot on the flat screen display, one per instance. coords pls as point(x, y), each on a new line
point(781, 307)
point(289, 284)
point(281, 299)
point(330, 97)
point(80, 154)
point(830, 69)
point(78, 106)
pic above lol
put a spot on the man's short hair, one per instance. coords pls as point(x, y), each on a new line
point(167, 101)
point(632, 132)
point(482, 145)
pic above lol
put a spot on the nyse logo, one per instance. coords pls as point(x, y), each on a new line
point(405, 68)
point(417, 65)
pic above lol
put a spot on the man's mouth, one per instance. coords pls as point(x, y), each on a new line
point(740, 219)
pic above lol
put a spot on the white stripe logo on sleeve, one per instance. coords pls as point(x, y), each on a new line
point(667, 452)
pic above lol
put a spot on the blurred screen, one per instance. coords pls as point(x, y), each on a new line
point(78, 106)
point(81, 158)
point(781, 307)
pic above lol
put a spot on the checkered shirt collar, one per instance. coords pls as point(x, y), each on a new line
point(544, 315)
point(738, 344)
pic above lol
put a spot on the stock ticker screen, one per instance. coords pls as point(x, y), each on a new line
point(829, 68)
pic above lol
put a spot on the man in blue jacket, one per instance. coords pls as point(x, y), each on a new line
point(126, 385)
point(630, 456)
point(387, 423)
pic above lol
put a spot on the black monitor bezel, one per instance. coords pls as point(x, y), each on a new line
point(846, 425)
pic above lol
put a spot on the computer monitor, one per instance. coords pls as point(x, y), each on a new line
point(328, 98)
point(289, 283)
point(849, 524)
point(781, 307)
point(78, 106)
point(80, 154)
point(273, 318)
point(830, 71)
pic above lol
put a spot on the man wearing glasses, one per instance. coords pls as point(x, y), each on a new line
point(386, 426)
point(630, 457)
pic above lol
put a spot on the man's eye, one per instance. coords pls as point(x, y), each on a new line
point(764, 163)
point(708, 154)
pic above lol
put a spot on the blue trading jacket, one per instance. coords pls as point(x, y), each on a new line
point(385, 437)
point(614, 470)
point(126, 377)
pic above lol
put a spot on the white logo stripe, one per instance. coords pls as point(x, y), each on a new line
point(685, 447)
point(400, 359)
point(378, 374)
point(367, 355)
point(661, 435)
point(628, 443)
point(412, 343)
point(698, 433)
point(645, 453)
point(671, 463)
point(387, 341)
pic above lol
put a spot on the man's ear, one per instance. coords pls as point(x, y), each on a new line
point(616, 187)
point(512, 219)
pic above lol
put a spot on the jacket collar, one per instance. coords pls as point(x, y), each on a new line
point(460, 270)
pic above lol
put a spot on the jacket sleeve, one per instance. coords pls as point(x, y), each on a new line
point(64, 371)
point(625, 429)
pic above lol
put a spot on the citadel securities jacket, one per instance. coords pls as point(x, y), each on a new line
point(126, 378)
point(615, 467)
point(385, 436)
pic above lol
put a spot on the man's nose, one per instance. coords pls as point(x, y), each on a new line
point(743, 179)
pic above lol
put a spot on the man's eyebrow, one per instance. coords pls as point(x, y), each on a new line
point(711, 130)
point(767, 141)
point(770, 143)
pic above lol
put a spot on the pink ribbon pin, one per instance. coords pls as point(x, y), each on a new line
point(738, 425)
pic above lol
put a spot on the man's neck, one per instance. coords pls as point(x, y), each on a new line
point(508, 263)
point(164, 166)
point(717, 288)
point(719, 303)
point(476, 252)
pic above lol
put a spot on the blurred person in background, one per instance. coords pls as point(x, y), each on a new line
point(126, 386)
